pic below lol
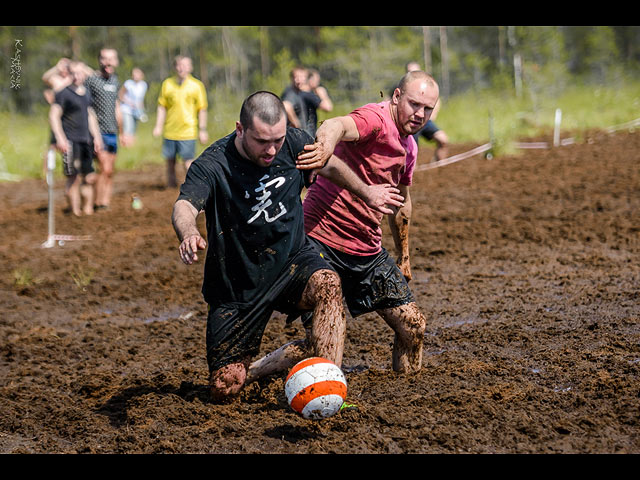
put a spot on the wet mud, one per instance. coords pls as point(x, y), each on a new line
point(526, 267)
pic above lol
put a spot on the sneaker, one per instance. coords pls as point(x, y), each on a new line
point(348, 406)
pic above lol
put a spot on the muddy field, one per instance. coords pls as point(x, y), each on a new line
point(527, 267)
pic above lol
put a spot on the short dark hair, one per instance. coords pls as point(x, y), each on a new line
point(267, 106)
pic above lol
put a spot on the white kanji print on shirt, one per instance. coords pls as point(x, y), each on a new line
point(265, 202)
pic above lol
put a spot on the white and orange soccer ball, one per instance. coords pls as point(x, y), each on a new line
point(316, 388)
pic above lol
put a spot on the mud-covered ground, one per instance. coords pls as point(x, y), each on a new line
point(527, 267)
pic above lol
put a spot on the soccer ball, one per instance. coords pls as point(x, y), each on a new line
point(315, 388)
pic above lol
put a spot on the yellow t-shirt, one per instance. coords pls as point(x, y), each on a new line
point(182, 102)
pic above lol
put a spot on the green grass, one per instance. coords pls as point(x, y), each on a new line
point(465, 118)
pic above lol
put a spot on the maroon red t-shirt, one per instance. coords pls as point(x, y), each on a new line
point(340, 219)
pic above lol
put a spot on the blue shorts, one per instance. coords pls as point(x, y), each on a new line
point(110, 142)
point(185, 148)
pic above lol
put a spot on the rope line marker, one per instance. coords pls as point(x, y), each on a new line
point(522, 145)
point(630, 125)
point(455, 158)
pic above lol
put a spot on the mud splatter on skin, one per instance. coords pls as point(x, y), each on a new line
point(400, 224)
point(326, 336)
point(409, 325)
point(327, 333)
point(227, 381)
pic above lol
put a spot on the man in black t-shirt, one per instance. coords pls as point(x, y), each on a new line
point(259, 259)
point(77, 136)
point(303, 98)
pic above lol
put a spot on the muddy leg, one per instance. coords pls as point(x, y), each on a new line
point(325, 338)
point(329, 327)
point(409, 324)
point(279, 360)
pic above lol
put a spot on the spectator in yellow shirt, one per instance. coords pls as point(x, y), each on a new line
point(181, 117)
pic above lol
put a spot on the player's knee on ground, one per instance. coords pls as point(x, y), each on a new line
point(227, 381)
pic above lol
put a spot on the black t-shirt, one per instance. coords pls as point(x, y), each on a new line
point(305, 105)
point(254, 216)
point(75, 114)
point(311, 102)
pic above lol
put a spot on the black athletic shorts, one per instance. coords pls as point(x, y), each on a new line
point(234, 332)
point(369, 283)
point(78, 159)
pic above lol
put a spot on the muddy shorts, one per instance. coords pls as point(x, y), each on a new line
point(369, 283)
point(78, 160)
point(234, 332)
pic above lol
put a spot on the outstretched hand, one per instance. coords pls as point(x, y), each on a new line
point(189, 247)
point(382, 197)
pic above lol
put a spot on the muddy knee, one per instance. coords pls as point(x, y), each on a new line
point(227, 381)
point(327, 279)
point(323, 285)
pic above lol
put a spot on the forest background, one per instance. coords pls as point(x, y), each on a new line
point(503, 81)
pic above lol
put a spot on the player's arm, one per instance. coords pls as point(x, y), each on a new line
point(55, 120)
point(329, 134)
point(184, 223)
point(118, 116)
point(325, 100)
point(379, 197)
point(399, 226)
point(161, 115)
point(291, 114)
point(203, 135)
point(94, 129)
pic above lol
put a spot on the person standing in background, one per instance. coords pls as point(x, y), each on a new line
point(77, 135)
point(104, 86)
point(131, 97)
point(181, 117)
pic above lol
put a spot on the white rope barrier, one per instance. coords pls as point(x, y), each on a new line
point(456, 158)
point(628, 125)
point(525, 145)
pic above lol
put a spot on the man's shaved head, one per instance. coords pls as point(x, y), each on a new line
point(264, 105)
